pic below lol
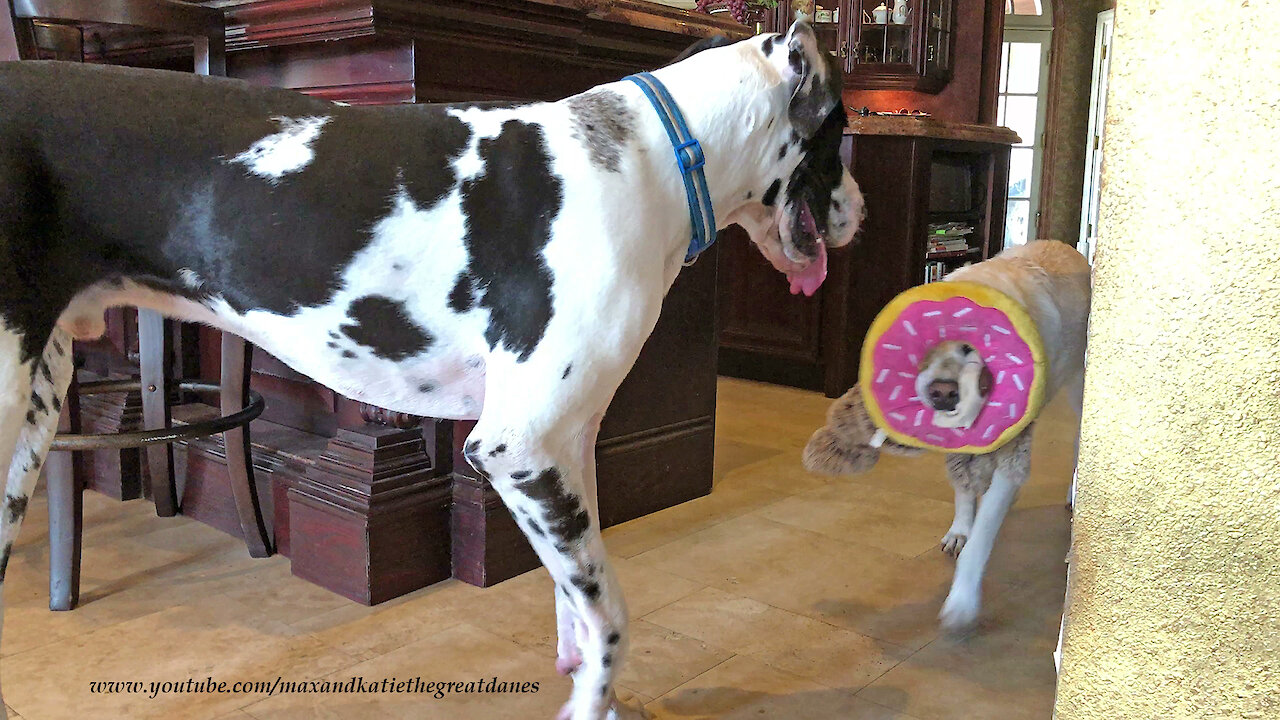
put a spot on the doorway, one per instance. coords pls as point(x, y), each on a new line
point(1021, 103)
point(1093, 152)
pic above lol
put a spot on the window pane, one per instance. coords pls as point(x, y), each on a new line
point(1021, 73)
point(1015, 223)
point(1020, 116)
point(1000, 110)
point(1020, 172)
point(1004, 68)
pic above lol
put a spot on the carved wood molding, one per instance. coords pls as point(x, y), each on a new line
point(619, 32)
point(561, 26)
point(389, 418)
point(264, 23)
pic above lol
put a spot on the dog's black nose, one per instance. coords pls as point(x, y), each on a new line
point(944, 394)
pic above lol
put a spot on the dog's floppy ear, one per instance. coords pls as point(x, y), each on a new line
point(706, 43)
point(814, 78)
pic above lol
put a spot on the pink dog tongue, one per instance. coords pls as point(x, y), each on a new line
point(808, 281)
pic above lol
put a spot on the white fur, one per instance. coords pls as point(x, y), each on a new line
point(284, 152)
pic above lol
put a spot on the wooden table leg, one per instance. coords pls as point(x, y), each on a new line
point(64, 486)
point(236, 358)
point(153, 360)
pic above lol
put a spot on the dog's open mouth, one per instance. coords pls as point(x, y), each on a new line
point(810, 278)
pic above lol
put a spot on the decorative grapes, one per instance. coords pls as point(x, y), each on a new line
point(739, 9)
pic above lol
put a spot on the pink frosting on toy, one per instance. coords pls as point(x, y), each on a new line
point(924, 324)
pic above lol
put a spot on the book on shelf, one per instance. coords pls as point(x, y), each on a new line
point(950, 229)
point(947, 245)
point(934, 271)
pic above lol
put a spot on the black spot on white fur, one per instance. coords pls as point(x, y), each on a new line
point(614, 638)
point(603, 123)
point(567, 369)
point(427, 387)
point(462, 297)
point(505, 248)
point(4, 559)
point(501, 448)
point(771, 195)
point(567, 520)
point(384, 326)
point(16, 507)
point(471, 451)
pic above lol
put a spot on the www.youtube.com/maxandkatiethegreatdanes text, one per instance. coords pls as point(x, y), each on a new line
point(280, 686)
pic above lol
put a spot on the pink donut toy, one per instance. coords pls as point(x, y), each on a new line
point(920, 318)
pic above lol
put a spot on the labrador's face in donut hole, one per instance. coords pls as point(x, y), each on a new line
point(955, 382)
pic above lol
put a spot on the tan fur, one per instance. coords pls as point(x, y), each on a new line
point(842, 446)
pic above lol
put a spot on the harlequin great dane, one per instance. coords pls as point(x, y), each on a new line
point(495, 262)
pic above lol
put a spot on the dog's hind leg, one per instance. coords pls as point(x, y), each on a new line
point(1012, 465)
point(31, 395)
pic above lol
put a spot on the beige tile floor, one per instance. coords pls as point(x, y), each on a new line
point(780, 595)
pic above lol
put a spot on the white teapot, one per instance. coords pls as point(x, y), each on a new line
point(901, 11)
point(881, 14)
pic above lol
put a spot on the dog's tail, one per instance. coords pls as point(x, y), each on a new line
point(843, 446)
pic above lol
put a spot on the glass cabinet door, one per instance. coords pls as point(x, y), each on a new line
point(938, 32)
point(826, 23)
point(885, 44)
point(881, 35)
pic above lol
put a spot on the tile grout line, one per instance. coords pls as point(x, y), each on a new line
point(695, 677)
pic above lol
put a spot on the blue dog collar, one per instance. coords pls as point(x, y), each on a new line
point(690, 160)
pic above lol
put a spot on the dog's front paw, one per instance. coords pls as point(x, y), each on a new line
point(953, 542)
point(959, 612)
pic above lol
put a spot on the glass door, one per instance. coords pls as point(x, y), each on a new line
point(1024, 73)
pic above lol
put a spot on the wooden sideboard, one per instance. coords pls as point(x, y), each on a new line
point(906, 167)
point(373, 504)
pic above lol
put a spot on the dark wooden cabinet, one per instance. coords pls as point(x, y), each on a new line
point(882, 49)
point(914, 173)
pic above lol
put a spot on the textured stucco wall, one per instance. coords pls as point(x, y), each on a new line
point(1174, 595)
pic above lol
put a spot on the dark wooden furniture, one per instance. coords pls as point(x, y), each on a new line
point(369, 503)
point(879, 53)
point(912, 172)
point(55, 28)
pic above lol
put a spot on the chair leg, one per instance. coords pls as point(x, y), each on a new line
point(64, 486)
point(153, 359)
point(236, 357)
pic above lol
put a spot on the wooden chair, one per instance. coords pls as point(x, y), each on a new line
point(52, 28)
